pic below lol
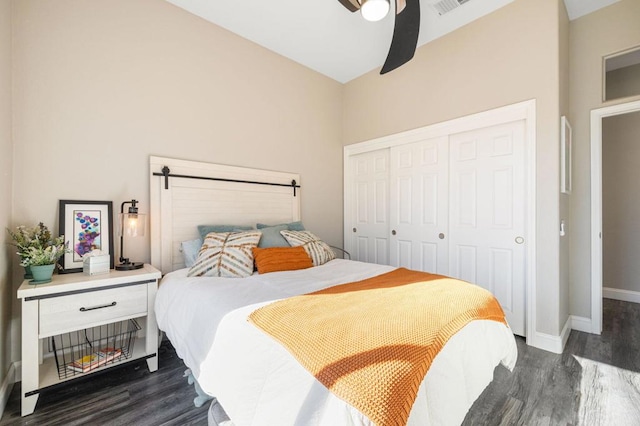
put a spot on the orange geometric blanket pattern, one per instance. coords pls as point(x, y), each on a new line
point(372, 342)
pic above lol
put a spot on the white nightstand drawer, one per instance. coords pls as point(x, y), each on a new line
point(84, 310)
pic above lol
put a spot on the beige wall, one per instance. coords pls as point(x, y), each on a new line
point(565, 252)
point(621, 201)
point(100, 86)
point(623, 82)
point(609, 30)
point(6, 179)
point(508, 56)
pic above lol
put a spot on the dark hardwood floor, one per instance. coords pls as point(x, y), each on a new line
point(596, 381)
point(124, 395)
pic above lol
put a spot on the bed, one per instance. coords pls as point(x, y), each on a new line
point(256, 380)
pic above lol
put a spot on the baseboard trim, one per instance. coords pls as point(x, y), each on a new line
point(551, 343)
point(564, 334)
point(581, 324)
point(618, 294)
point(7, 387)
point(548, 342)
point(18, 371)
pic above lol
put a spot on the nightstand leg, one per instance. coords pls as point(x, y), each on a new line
point(30, 355)
point(152, 363)
point(29, 404)
point(151, 341)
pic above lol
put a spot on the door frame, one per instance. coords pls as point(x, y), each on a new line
point(526, 111)
point(597, 115)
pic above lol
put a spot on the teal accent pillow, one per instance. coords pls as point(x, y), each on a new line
point(190, 251)
point(203, 230)
point(271, 236)
point(291, 226)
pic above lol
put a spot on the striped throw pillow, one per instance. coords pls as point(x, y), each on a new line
point(319, 251)
point(226, 254)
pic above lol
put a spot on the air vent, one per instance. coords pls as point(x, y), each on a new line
point(446, 6)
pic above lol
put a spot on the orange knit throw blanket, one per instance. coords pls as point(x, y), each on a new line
point(371, 342)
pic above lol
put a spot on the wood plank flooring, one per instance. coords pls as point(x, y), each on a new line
point(125, 395)
point(595, 382)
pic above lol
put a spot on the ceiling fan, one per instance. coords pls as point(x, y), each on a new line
point(405, 31)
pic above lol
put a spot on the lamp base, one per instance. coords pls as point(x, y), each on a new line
point(129, 266)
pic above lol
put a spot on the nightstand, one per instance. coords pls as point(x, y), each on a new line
point(82, 305)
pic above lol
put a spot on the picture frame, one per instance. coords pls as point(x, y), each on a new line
point(86, 225)
point(565, 155)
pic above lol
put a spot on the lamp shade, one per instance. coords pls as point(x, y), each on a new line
point(133, 224)
point(374, 10)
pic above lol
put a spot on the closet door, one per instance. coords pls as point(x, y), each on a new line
point(370, 207)
point(419, 205)
point(487, 216)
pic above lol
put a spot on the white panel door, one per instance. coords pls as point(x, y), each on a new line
point(370, 207)
point(419, 205)
point(487, 214)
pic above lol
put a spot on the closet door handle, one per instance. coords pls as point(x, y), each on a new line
point(519, 240)
point(441, 236)
point(355, 230)
point(393, 232)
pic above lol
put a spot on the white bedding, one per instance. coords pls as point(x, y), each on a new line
point(258, 382)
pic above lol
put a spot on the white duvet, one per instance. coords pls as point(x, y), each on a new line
point(258, 382)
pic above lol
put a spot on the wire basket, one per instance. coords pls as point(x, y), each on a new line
point(81, 351)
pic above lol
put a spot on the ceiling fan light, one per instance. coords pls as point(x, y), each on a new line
point(374, 10)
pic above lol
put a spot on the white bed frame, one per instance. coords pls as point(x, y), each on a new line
point(175, 212)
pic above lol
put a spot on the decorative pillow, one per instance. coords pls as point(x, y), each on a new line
point(291, 226)
point(203, 230)
point(281, 259)
point(227, 254)
point(190, 251)
point(319, 251)
point(271, 237)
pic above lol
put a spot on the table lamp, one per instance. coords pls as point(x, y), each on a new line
point(132, 224)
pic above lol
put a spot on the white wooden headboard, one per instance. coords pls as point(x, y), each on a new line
point(180, 203)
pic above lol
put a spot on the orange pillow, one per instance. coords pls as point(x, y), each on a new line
point(275, 259)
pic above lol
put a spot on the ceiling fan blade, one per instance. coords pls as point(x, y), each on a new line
point(352, 5)
point(405, 35)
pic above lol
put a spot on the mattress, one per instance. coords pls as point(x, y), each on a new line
point(258, 382)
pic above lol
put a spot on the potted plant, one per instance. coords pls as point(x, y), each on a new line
point(38, 251)
point(24, 237)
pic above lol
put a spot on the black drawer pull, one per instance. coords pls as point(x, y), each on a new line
point(83, 309)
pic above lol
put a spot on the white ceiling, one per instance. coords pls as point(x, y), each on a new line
point(578, 8)
point(326, 37)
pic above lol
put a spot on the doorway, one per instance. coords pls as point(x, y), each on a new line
point(597, 117)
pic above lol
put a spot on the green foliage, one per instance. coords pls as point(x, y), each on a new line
point(43, 256)
point(36, 246)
